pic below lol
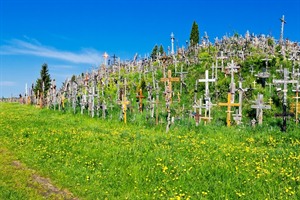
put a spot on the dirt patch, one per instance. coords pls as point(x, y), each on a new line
point(43, 185)
point(48, 189)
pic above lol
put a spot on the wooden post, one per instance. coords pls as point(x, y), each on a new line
point(229, 104)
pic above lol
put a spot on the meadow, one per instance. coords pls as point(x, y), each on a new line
point(106, 159)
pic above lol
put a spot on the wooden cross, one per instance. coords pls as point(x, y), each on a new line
point(229, 104)
point(169, 80)
point(297, 105)
point(285, 81)
point(206, 81)
point(140, 97)
point(124, 102)
point(259, 106)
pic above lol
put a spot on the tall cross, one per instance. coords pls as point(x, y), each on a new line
point(206, 81)
point(259, 106)
point(285, 81)
point(282, 20)
point(172, 43)
point(229, 104)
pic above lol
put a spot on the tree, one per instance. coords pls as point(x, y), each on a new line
point(161, 50)
point(43, 80)
point(194, 36)
point(154, 52)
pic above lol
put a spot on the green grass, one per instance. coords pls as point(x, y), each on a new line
point(98, 159)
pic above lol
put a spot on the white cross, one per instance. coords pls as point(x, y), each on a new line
point(206, 81)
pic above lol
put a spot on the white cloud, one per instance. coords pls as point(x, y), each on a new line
point(19, 47)
point(7, 83)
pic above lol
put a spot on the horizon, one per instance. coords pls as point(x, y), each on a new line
point(71, 37)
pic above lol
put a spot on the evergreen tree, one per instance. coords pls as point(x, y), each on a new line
point(154, 52)
point(45, 78)
point(161, 50)
point(194, 36)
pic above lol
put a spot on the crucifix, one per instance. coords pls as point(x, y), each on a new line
point(229, 104)
point(169, 80)
point(259, 106)
point(206, 81)
point(124, 103)
point(140, 97)
point(285, 83)
point(156, 103)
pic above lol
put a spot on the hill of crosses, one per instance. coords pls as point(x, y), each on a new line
point(242, 80)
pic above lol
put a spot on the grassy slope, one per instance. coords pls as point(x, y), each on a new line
point(101, 159)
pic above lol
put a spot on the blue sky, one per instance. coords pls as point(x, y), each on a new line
point(72, 35)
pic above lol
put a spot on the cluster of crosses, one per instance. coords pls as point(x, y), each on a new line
point(89, 92)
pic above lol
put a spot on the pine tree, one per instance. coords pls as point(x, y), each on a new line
point(194, 36)
point(43, 80)
point(161, 50)
point(154, 52)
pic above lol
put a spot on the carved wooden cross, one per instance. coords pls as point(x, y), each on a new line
point(259, 106)
point(169, 80)
point(229, 104)
point(206, 81)
point(140, 97)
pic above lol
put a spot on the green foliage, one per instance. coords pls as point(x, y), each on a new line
point(154, 52)
point(194, 35)
point(99, 159)
point(161, 50)
point(43, 80)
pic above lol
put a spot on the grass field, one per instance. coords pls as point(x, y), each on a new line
point(54, 155)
